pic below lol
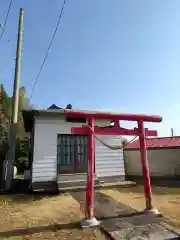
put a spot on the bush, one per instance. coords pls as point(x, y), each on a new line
point(22, 164)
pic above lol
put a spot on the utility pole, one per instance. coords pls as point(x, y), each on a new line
point(172, 132)
point(15, 105)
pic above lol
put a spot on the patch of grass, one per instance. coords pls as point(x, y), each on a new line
point(17, 238)
point(166, 190)
point(42, 217)
point(157, 190)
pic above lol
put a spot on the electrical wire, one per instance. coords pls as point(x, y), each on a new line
point(50, 44)
point(38, 75)
point(7, 15)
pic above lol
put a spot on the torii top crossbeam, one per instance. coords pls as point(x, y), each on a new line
point(114, 116)
point(116, 130)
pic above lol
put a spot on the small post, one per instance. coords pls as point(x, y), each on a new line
point(90, 220)
point(15, 104)
point(172, 132)
point(145, 169)
point(116, 123)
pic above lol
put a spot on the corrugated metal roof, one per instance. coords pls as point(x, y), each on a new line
point(163, 142)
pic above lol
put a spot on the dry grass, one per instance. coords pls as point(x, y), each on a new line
point(57, 217)
point(166, 200)
point(31, 217)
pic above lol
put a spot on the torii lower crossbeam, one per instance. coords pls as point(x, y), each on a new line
point(116, 130)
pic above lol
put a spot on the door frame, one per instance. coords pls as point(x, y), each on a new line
point(75, 158)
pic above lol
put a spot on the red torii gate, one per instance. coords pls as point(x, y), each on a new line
point(116, 130)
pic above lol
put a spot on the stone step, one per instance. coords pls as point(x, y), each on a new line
point(73, 180)
point(73, 177)
point(80, 179)
point(97, 185)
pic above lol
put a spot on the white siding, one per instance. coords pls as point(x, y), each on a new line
point(45, 147)
point(45, 150)
point(109, 162)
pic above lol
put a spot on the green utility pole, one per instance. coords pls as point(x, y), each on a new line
point(15, 104)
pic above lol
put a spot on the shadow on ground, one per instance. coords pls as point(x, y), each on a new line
point(25, 198)
point(104, 206)
point(116, 216)
point(21, 193)
point(33, 230)
point(162, 190)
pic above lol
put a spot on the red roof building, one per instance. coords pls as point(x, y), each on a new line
point(155, 143)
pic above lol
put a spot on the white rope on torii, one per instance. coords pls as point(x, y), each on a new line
point(69, 107)
point(109, 146)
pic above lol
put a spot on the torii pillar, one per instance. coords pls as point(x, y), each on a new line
point(90, 220)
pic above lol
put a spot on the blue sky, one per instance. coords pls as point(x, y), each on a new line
point(118, 55)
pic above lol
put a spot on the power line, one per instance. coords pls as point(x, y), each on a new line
point(50, 44)
point(7, 15)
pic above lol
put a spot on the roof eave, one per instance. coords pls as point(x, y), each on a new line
point(29, 115)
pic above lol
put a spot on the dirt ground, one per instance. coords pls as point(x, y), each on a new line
point(166, 200)
point(36, 217)
point(57, 217)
